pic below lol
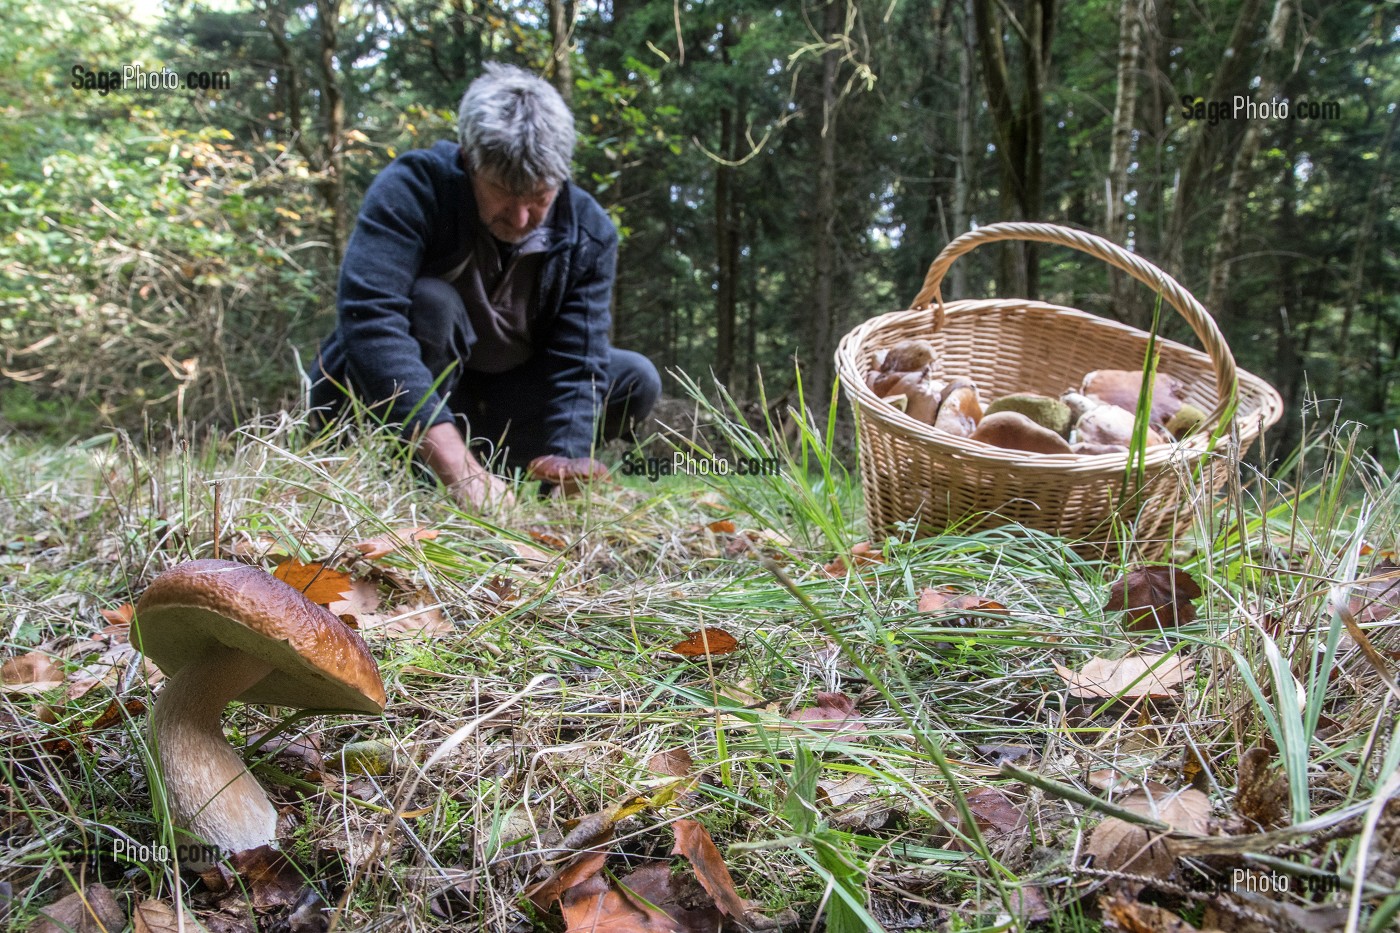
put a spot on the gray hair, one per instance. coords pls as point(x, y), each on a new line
point(516, 125)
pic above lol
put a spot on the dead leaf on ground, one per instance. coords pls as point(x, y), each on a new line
point(1129, 678)
point(115, 713)
point(996, 814)
point(595, 906)
point(1261, 793)
point(715, 642)
point(694, 843)
point(853, 804)
point(834, 712)
point(722, 527)
point(269, 880)
point(1377, 595)
point(361, 600)
point(675, 762)
point(92, 910)
point(122, 615)
point(386, 544)
point(321, 584)
point(1126, 915)
point(153, 916)
point(575, 871)
point(30, 673)
point(945, 599)
point(1118, 845)
point(1154, 596)
point(417, 621)
point(758, 542)
point(550, 540)
point(862, 555)
point(999, 754)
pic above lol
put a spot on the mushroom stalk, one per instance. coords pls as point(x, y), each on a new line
point(208, 791)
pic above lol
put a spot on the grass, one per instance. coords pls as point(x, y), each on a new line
point(545, 685)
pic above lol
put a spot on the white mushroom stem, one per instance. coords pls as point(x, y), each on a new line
point(208, 791)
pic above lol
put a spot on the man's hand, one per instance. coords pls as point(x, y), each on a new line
point(471, 484)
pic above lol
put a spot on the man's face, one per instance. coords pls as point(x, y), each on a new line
point(510, 217)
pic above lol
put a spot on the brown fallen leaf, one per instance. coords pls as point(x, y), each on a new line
point(694, 843)
point(595, 906)
point(853, 804)
point(715, 642)
point(30, 673)
point(1118, 845)
point(361, 600)
point(93, 910)
point(419, 621)
point(675, 762)
point(386, 544)
point(577, 869)
point(862, 555)
point(115, 713)
point(153, 916)
point(550, 540)
point(317, 582)
point(723, 526)
point(1377, 595)
point(1125, 915)
point(122, 615)
point(655, 884)
point(945, 599)
point(1154, 596)
point(1128, 678)
point(834, 712)
point(996, 815)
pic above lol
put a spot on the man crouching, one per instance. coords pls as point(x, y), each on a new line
point(474, 297)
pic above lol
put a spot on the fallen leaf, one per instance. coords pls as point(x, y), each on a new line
point(1377, 596)
point(1118, 845)
point(862, 555)
point(675, 762)
point(715, 642)
point(594, 906)
point(834, 712)
point(386, 544)
point(1153, 597)
point(694, 843)
point(946, 599)
point(122, 615)
point(531, 555)
point(92, 910)
point(722, 527)
point(153, 916)
point(654, 884)
point(550, 540)
point(853, 804)
point(116, 713)
point(361, 600)
point(418, 621)
point(1000, 754)
point(1125, 915)
point(1261, 794)
point(996, 815)
point(317, 582)
point(30, 673)
point(270, 878)
point(575, 871)
point(1128, 678)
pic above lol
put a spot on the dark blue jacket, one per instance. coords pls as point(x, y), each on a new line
point(417, 222)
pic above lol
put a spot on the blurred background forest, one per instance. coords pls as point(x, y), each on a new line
point(780, 171)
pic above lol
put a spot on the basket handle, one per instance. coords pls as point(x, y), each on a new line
point(1212, 341)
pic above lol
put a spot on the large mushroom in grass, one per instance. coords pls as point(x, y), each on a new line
point(224, 631)
point(567, 475)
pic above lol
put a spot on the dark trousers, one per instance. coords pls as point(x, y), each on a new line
point(505, 411)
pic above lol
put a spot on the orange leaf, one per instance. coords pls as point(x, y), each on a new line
point(577, 869)
point(862, 555)
point(113, 714)
point(317, 582)
point(122, 615)
point(550, 541)
point(723, 526)
point(694, 843)
point(947, 599)
point(712, 641)
point(380, 546)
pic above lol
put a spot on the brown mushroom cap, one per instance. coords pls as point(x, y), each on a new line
point(1122, 387)
point(907, 356)
point(557, 469)
point(1015, 431)
point(961, 409)
point(319, 661)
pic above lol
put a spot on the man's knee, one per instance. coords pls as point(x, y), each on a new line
point(438, 322)
point(634, 381)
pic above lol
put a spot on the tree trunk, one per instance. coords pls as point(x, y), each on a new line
point(962, 178)
point(818, 386)
point(1232, 214)
point(726, 222)
point(1120, 153)
point(1206, 142)
point(561, 26)
point(333, 125)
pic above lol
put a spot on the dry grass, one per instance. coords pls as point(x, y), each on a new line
point(549, 671)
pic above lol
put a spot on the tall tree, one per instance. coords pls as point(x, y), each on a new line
point(1120, 148)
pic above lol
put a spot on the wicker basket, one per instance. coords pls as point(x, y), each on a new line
point(934, 481)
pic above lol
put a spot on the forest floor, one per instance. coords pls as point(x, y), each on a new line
point(708, 703)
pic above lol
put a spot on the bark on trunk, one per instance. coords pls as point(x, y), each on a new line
point(333, 124)
point(824, 256)
point(962, 179)
point(561, 27)
point(1121, 286)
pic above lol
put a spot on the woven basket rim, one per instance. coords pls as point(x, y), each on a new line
point(1249, 424)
